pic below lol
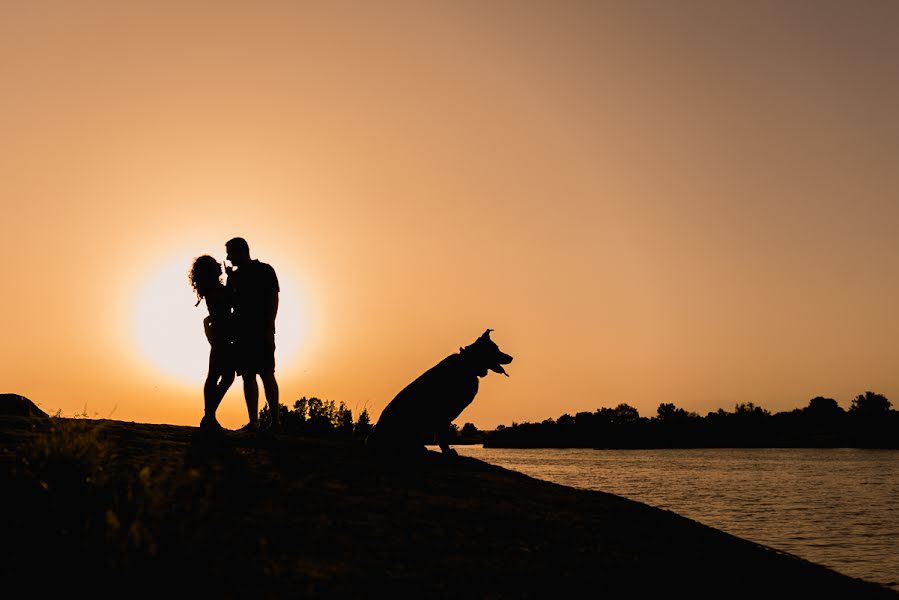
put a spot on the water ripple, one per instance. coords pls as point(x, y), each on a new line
point(835, 507)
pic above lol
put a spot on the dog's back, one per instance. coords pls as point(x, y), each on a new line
point(433, 400)
point(428, 406)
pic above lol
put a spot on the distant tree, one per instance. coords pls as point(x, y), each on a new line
point(469, 430)
point(321, 416)
point(749, 408)
point(870, 404)
point(823, 412)
point(670, 413)
point(363, 425)
point(300, 407)
point(585, 419)
point(316, 410)
point(673, 427)
point(343, 421)
point(666, 411)
point(565, 420)
point(625, 413)
point(823, 406)
point(874, 424)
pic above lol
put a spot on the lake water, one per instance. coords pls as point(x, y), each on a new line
point(834, 507)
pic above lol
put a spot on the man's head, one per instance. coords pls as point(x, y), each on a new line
point(238, 251)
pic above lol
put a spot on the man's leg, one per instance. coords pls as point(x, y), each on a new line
point(251, 394)
point(270, 385)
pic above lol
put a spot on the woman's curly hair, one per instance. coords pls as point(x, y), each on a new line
point(204, 273)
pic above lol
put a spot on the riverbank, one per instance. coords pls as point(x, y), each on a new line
point(104, 506)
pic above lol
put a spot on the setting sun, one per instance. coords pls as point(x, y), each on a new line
point(168, 327)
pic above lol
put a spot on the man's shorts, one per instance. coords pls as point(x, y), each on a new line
point(255, 354)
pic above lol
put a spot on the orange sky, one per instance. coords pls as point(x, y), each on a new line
point(648, 202)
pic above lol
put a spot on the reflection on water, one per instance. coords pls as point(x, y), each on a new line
point(835, 507)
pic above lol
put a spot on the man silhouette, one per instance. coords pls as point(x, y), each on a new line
point(253, 286)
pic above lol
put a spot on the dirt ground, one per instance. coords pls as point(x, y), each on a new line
point(118, 508)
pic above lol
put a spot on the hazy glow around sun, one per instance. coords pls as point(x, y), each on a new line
point(168, 328)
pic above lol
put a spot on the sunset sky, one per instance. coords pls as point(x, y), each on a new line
point(687, 202)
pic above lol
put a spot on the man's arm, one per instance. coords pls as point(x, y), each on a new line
point(276, 289)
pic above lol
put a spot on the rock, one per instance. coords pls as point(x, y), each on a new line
point(16, 405)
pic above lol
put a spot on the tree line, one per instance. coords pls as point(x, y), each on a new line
point(315, 417)
point(870, 422)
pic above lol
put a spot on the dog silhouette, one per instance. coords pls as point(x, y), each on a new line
point(428, 406)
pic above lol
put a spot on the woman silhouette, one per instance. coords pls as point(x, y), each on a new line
point(205, 279)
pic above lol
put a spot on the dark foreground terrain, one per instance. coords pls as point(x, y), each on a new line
point(113, 508)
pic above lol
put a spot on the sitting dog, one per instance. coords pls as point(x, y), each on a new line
point(430, 404)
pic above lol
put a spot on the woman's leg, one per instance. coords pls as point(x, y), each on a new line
point(217, 383)
point(210, 395)
point(222, 387)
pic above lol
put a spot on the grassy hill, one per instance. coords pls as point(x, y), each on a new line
point(129, 509)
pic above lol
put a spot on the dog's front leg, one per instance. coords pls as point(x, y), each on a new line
point(443, 441)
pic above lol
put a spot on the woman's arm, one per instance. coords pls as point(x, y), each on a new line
point(207, 328)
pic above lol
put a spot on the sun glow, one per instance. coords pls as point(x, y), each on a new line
point(168, 328)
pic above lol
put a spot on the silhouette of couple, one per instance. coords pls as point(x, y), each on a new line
point(240, 328)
